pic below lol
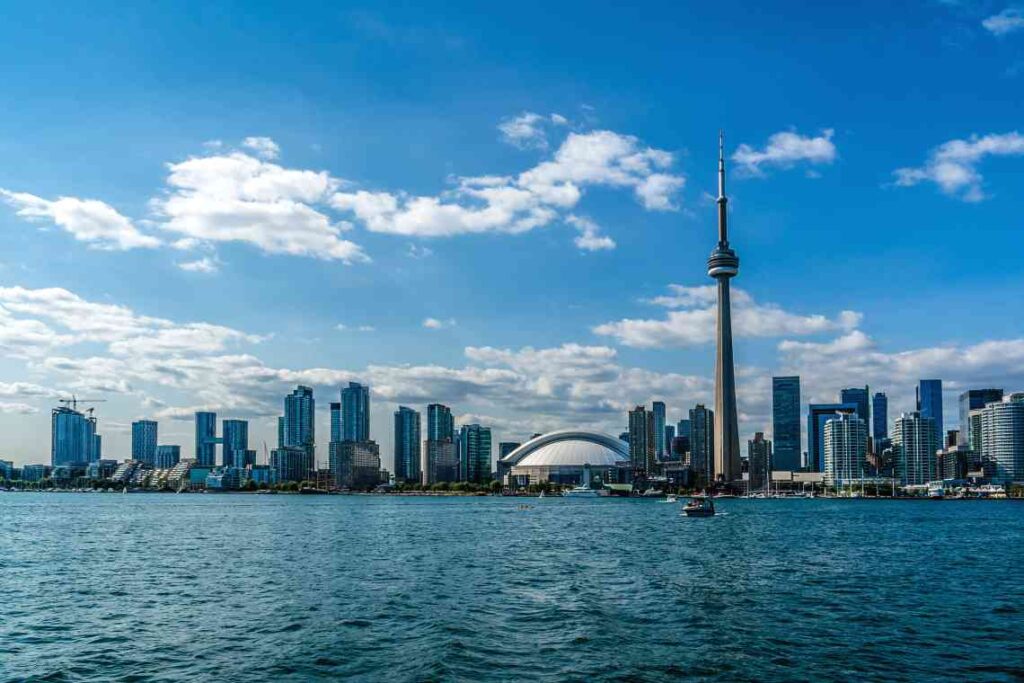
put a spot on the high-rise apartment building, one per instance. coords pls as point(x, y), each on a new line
point(915, 443)
point(440, 423)
point(475, 453)
point(817, 415)
point(860, 397)
point(73, 438)
point(846, 448)
point(702, 443)
point(206, 439)
point(355, 412)
point(335, 421)
point(786, 422)
point(1002, 438)
point(166, 457)
point(879, 418)
point(407, 445)
point(759, 461)
point(642, 443)
point(144, 437)
point(234, 442)
point(660, 446)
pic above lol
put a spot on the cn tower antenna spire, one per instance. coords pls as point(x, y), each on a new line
point(723, 230)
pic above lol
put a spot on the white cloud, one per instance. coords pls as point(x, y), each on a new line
point(203, 265)
point(418, 251)
point(238, 198)
point(263, 146)
point(1009, 20)
point(953, 165)
point(590, 237)
point(24, 389)
point(524, 131)
point(532, 199)
point(342, 327)
point(17, 408)
point(694, 319)
point(87, 220)
point(785, 149)
point(437, 324)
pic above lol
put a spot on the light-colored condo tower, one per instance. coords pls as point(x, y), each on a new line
point(723, 265)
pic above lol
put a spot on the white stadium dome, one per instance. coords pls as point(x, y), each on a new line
point(570, 448)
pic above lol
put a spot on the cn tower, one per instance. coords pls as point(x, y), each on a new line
point(723, 265)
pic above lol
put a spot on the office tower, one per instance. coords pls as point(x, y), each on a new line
point(641, 439)
point(913, 438)
point(1002, 438)
point(506, 447)
point(355, 412)
point(723, 265)
point(879, 419)
point(786, 422)
point(759, 459)
point(166, 457)
point(407, 445)
point(817, 415)
point(658, 409)
point(206, 439)
point(975, 443)
point(280, 431)
point(929, 404)
point(670, 433)
point(73, 438)
point(335, 421)
point(974, 399)
point(97, 446)
point(440, 423)
point(355, 464)
point(683, 428)
point(846, 447)
point(144, 441)
point(235, 442)
point(475, 453)
point(860, 397)
point(702, 442)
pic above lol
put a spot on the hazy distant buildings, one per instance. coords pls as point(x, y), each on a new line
point(206, 439)
point(235, 443)
point(407, 445)
point(786, 422)
point(702, 442)
point(846, 447)
point(1002, 438)
point(759, 459)
point(660, 445)
point(355, 412)
point(915, 444)
point(144, 437)
point(475, 453)
point(817, 415)
point(879, 418)
point(642, 441)
point(974, 399)
point(929, 404)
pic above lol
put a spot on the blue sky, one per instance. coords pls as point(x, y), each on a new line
point(196, 197)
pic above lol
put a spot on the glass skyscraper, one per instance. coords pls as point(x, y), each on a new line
point(300, 423)
point(144, 441)
point(167, 457)
point(702, 442)
point(235, 439)
point(335, 422)
point(73, 438)
point(440, 423)
point(861, 398)
point(929, 404)
point(974, 399)
point(355, 412)
point(786, 423)
point(660, 447)
point(407, 445)
point(475, 453)
point(206, 439)
point(879, 417)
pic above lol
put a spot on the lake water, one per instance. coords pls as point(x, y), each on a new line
point(158, 587)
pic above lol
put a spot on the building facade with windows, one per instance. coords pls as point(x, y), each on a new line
point(786, 422)
point(144, 437)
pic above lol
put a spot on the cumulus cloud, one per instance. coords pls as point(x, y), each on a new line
point(693, 320)
point(87, 220)
point(953, 165)
point(437, 324)
point(236, 197)
point(1009, 20)
point(590, 237)
point(204, 265)
point(785, 150)
point(527, 130)
point(342, 327)
point(262, 146)
point(529, 200)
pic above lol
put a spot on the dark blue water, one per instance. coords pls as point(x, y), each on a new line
point(157, 587)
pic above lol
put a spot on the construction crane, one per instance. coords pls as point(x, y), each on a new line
point(74, 401)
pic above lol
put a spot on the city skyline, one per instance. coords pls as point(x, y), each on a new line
point(123, 281)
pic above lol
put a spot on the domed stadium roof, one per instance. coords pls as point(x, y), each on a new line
point(570, 448)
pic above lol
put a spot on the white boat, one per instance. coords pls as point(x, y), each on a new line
point(670, 499)
point(582, 492)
